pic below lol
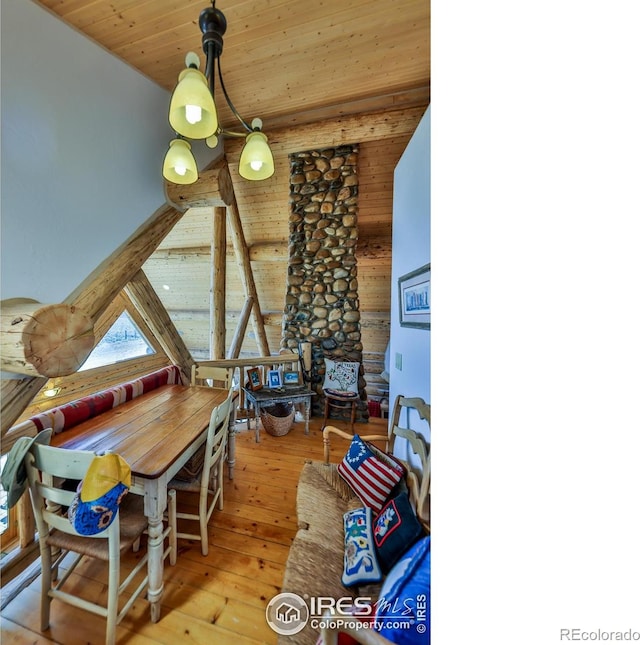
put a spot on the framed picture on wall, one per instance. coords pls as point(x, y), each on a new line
point(255, 382)
point(414, 294)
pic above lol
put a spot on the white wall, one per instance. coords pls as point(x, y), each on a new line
point(411, 250)
point(83, 139)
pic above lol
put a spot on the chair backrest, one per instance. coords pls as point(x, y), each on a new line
point(47, 468)
point(212, 376)
point(418, 480)
point(217, 435)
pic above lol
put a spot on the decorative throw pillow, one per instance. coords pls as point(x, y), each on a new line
point(371, 477)
point(341, 378)
point(360, 562)
point(403, 607)
point(395, 529)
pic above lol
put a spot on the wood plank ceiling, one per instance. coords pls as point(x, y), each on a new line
point(288, 62)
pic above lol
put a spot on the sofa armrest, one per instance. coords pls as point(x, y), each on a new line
point(328, 430)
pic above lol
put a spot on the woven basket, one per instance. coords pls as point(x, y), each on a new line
point(278, 419)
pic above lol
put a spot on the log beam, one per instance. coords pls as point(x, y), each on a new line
point(44, 340)
point(204, 192)
point(254, 361)
point(100, 288)
point(359, 128)
point(152, 311)
point(262, 252)
point(241, 328)
point(16, 396)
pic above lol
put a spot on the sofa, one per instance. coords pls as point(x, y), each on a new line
point(316, 567)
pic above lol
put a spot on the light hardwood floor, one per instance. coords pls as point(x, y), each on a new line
point(217, 599)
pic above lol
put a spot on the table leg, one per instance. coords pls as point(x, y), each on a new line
point(307, 410)
point(256, 410)
point(155, 545)
point(231, 450)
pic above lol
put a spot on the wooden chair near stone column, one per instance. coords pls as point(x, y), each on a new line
point(340, 388)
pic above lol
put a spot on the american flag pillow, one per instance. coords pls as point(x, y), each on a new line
point(372, 478)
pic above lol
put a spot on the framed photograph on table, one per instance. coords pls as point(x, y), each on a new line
point(291, 378)
point(255, 382)
point(414, 294)
point(275, 379)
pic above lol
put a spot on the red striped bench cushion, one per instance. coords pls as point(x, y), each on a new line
point(71, 414)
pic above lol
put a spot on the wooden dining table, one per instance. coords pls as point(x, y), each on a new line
point(156, 433)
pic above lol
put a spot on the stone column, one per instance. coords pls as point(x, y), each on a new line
point(322, 304)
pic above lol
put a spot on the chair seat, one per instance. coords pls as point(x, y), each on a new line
point(340, 400)
point(191, 485)
point(132, 524)
point(190, 472)
point(341, 394)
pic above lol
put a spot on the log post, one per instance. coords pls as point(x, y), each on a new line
point(44, 340)
point(218, 282)
point(242, 256)
point(241, 328)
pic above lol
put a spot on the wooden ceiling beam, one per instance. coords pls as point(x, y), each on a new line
point(101, 287)
point(205, 192)
point(359, 128)
point(404, 99)
point(149, 306)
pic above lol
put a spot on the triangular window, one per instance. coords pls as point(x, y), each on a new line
point(122, 342)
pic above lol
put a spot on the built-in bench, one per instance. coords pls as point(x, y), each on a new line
point(70, 414)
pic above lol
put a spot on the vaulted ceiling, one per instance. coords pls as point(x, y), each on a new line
point(288, 61)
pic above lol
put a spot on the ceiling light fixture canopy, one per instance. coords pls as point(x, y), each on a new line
point(193, 113)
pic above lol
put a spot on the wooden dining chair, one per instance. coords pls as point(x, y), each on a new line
point(208, 482)
point(47, 469)
point(340, 389)
point(212, 376)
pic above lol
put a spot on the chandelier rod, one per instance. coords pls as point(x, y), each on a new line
point(246, 126)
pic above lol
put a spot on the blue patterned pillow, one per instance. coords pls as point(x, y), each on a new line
point(360, 561)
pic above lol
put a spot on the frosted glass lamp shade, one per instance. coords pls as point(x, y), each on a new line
point(179, 165)
point(256, 160)
point(192, 112)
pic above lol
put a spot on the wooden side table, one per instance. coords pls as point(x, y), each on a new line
point(266, 397)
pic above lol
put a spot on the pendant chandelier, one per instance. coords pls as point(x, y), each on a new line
point(193, 114)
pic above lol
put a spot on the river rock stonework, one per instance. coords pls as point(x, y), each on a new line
point(322, 304)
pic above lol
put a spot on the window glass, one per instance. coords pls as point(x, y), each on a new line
point(122, 342)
